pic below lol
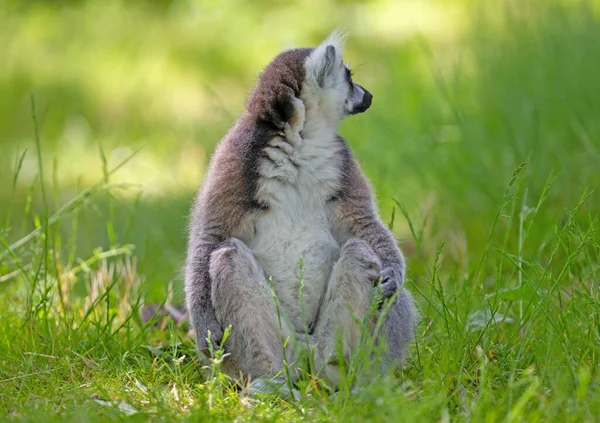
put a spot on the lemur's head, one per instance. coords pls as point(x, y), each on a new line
point(308, 84)
point(328, 81)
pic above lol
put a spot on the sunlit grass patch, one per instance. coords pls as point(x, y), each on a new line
point(483, 149)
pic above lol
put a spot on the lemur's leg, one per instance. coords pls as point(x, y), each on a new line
point(346, 305)
point(242, 298)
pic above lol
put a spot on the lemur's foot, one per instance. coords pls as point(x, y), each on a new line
point(277, 386)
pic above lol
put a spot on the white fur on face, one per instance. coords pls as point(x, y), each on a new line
point(326, 88)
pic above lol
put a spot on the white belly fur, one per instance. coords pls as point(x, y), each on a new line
point(296, 183)
point(282, 243)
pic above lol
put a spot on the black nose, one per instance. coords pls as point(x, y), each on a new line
point(364, 104)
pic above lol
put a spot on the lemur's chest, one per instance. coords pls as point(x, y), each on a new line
point(293, 239)
point(296, 182)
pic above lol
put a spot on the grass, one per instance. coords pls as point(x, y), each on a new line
point(483, 145)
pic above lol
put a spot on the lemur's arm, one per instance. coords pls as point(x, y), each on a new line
point(356, 216)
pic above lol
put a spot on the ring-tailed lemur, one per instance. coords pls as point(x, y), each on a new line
point(281, 186)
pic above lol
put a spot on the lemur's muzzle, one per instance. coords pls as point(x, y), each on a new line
point(362, 99)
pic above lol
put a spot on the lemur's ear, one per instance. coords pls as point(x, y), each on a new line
point(328, 63)
point(323, 60)
point(321, 63)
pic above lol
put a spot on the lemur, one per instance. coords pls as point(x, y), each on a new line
point(284, 186)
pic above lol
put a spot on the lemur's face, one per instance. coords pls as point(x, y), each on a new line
point(359, 99)
point(329, 85)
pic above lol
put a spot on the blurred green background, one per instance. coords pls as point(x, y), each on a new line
point(464, 92)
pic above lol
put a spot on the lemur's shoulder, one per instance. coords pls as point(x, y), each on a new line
point(354, 185)
point(271, 102)
point(234, 169)
point(227, 194)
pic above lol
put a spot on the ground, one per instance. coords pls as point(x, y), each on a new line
point(483, 146)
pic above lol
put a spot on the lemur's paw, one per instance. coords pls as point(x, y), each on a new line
point(361, 257)
point(390, 281)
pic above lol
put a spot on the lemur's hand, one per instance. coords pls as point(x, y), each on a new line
point(390, 281)
point(359, 256)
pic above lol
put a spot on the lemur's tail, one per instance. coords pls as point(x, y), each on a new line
point(160, 313)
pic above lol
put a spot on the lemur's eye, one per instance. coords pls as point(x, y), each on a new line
point(349, 75)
